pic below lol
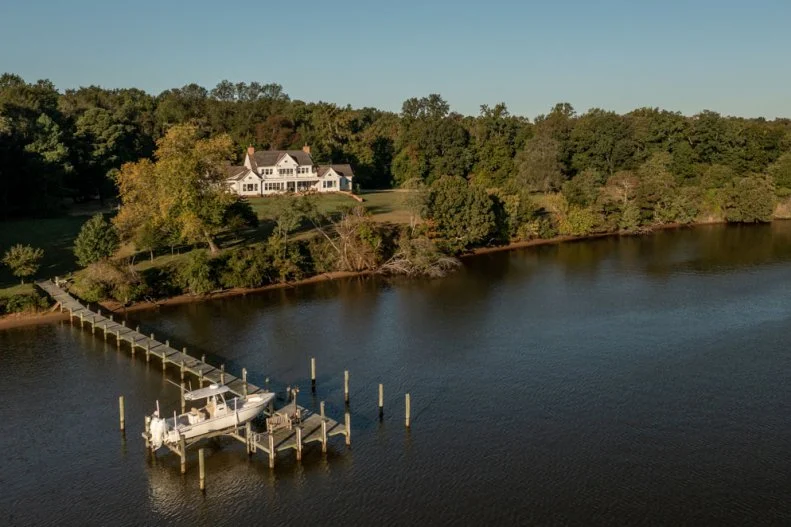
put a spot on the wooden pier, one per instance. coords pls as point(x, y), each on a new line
point(311, 427)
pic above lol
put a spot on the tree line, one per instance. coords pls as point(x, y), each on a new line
point(59, 146)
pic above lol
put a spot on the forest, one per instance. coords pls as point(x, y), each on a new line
point(469, 181)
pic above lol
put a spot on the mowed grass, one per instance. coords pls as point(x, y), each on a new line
point(384, 205)
point(54, 235)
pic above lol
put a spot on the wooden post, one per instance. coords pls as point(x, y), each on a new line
point(324, 436)
point(99, 311)
point(137, 329)
point(148, 351)
point(202, 469)
point(183, 402)
point(82, 318)
point(111, 317)
point(182, 372)
point(313, 374)
point(123, 323)
point(271, 451)
point(203, 358)
point(346, 387)
point(248, 435)
point(381, 401)
point(121, 411)
point(184, 350)
point(104, 330)
point(167, 343)
point(347, 418)
point(71, 314)
point(164, 363)
point(222, 373)
point(200, 376)
point(244, 381)
point(266, 384)
point(152, 337)
point(408, 409)
point(118, 337)
point(321, 406)
point(299, 443)
point(183, 453)
point(93, 324)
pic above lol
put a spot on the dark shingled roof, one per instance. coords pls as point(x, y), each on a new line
point(236, 173)
point(342, 170)
point(268, 158)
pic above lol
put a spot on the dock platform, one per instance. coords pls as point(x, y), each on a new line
point(311, 428)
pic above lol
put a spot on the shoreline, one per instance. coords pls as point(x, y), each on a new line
point(16, 320)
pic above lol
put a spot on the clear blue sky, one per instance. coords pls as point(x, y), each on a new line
point(724, 55)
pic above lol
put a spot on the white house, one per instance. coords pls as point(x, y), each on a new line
point(274, 171)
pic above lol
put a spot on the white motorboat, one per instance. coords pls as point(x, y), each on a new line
point(216, 415)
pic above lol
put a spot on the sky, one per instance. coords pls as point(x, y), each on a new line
point(726, 56)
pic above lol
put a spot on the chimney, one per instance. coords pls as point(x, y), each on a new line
point(306, 149)
point(250, 150)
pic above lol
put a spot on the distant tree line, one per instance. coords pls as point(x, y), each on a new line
point(605, 171)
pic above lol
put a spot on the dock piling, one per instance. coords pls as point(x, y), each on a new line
point(299, 443)
point(182, 372)
point(408, 408)
point(222, 373)
point(183, 401)
point(183, 453)
point(271, 450)
point(118, 337)
point(381, 401)
point(347, 418)
point(148, 351)
point(323, 436)
point(248, 435)
point(313, 374)
point(244, 381)
point(104, 330)
point(121, 412)
point(93, 324)
point(346, 387)
point(202, 469)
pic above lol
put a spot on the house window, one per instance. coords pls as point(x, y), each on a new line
point(273, 186)
point(268, 171)
point(250, 187)
point(303, 170)
point(329, 184)
point(286, 171)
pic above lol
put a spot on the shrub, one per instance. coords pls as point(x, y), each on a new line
point(246, 267)
point(751, 200)
point(198, 275)
point(96, 241)
point(23, 303)
point(23, 260)
point(105, 279)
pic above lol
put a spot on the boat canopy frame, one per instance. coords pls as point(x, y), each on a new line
point(204, 393)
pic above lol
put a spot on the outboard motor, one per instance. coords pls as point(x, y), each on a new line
point(158, 428)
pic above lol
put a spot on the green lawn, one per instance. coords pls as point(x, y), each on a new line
point(386, 205)
point(326, 203)
point(54, 235)
point(18, 289)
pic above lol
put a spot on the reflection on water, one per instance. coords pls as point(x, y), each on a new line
point(622, 380)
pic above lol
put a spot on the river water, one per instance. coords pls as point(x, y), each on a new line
point(614, 381)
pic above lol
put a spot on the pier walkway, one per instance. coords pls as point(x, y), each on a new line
point(311, 427)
